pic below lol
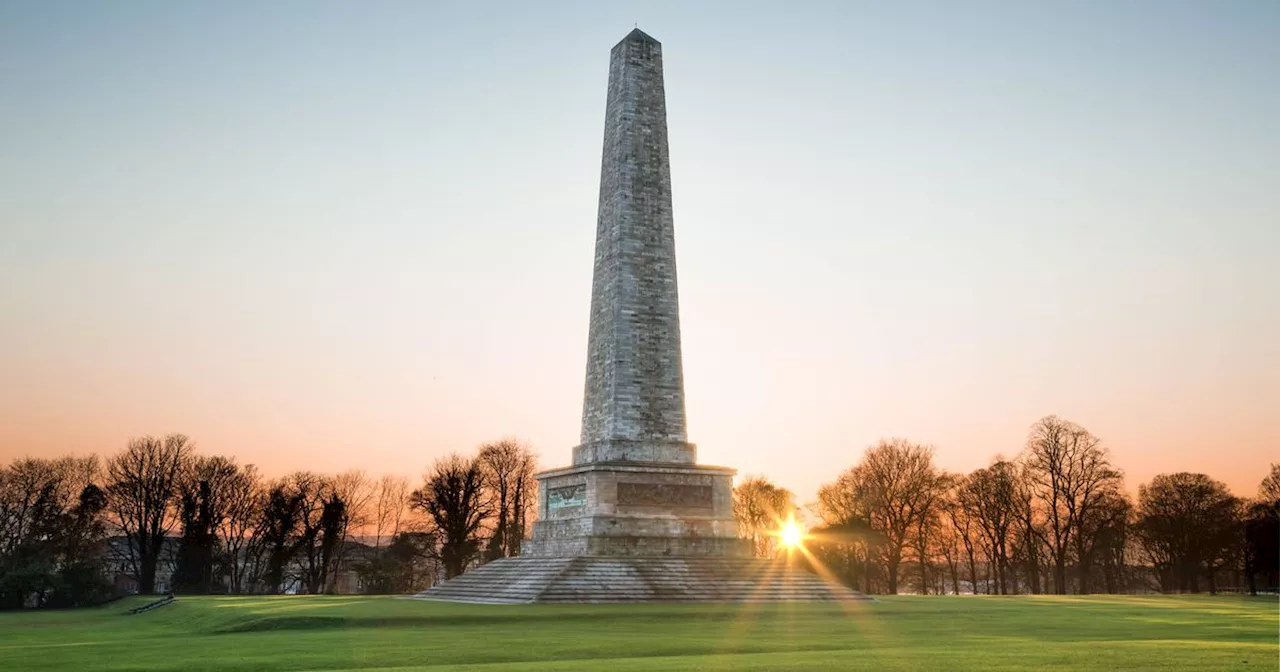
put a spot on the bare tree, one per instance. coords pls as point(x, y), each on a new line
point(928, 541)
point(508, 466)
point(355, 488)
point(902, 485)
point(390, 501)
point(1069, 472)
point(303, 529)
point(50, 528)
point(1032, 538)
point(207, 489)
point(142, 488)
point(1105, 542)
point(356, 493)
point(320, 513)
point(966, 530)
point(453, 498)
point(314, 490)
point(989, 497)
point(239, 535)
point(1101, 530)
point(278, 533)
point(761, 508)
point(848, 540)
point(1261, 522)
point(951, 544)
point(1269, 489)
point(1187, 523)
point(27, 482)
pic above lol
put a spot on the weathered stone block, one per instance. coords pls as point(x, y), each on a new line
point(625, 450)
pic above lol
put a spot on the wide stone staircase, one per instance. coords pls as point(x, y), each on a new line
point(507, 581)
point(637, 579)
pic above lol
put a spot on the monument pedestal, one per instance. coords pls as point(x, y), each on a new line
point(637, 532)
point(636, 509)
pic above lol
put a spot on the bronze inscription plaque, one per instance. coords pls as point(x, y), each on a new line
point(664, 494)
point(572, 495)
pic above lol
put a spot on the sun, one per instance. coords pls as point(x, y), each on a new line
point(791, 534)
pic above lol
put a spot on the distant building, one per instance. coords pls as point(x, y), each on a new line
point(120, 569)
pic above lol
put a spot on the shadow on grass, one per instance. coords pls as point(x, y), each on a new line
point(453, 620)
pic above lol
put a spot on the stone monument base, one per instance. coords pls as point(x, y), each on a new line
point(636, 508)
point(637, 579)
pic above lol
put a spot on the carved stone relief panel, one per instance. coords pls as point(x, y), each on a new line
point(664, 494)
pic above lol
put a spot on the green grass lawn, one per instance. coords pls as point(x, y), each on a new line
point(898, 633)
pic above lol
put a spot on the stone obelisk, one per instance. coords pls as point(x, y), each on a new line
point(634, 518)
point(633, 407)
point(634, 488)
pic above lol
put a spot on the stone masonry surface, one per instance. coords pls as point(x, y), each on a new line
point(634, 383)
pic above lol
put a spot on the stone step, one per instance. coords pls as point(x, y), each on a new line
point(637, 579)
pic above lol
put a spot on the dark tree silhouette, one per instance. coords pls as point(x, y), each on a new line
point(240, 543)
point(406, 565)
point(1070, 473)
point(508, 467)
point(142, 489)
point(279, 526)
point(902, 486)
point(760, 508)
point(989, 497)
point(333, 522)
point(1186, 523)
point(50, 534)
point(1262, 535)
point(847, 541)
point(965, 525)
point(194, 571)
point(207, 491)
point(1262, 545)
point(454, 500)
point(320, 525)
point(1102, 534)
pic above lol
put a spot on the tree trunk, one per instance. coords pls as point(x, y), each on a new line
point(1082, 567)
point(148, 559)
point(973, 573)
point(1001, 568)
point(1060, 572)
point(452, 567)
point(517, 535)
point(147, 578)
point(924, 576)
point(895, 557)
point(866, 569)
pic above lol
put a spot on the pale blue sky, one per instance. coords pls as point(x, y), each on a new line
point(334, 235)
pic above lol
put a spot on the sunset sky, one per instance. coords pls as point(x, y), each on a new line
point(359, 235)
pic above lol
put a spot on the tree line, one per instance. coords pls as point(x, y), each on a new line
point(161, 517)
point(1055, 519)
